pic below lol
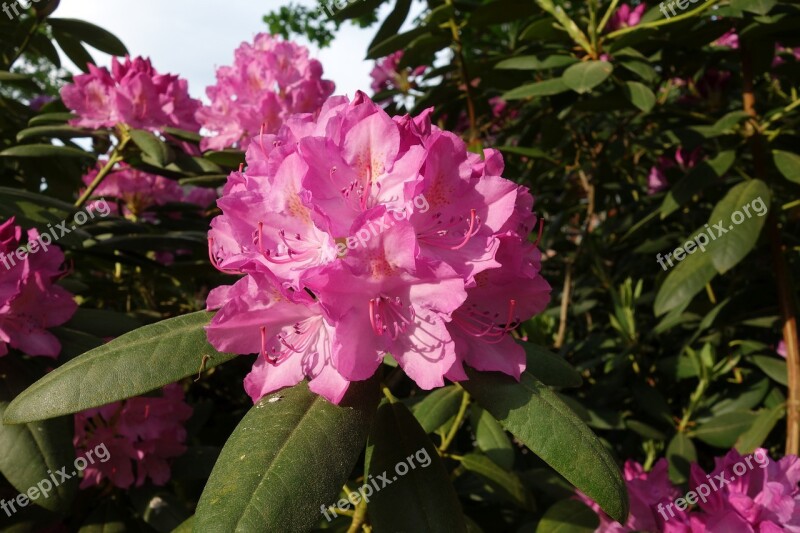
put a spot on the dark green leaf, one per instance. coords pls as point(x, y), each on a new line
point(568, 516)
point(44, 150)
point(31, 450)
point(133, 364)
point(538, 418)
point(423, 499)
point(722, 431)
point(700, 177)
point(534, 63)
point(505, 482)
point(762, 426)
point(681, 453)
point(788, 164)
point(438, 407)
point(585, 76)
point(59, 132)
point(301, 440)
point(773, 367)
point(640, 95)
point(549, 368)
point(491, 438)
point(685, 280)
point(540, 88)
point(92, 35)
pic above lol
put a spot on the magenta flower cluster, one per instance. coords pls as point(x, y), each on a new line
point(133, 93)
point(684, 159)
point(269, 81)
point(30, 301)
point(441, 282)
point(747, 494)
point(141, 434)
point(387, 74)
point(136, 191)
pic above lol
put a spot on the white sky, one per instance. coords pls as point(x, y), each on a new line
point(193, 37)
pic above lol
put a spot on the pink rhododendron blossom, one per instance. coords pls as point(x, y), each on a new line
point(625, 17)
point(269, 81)
point(781, 349)
point(141, 435)
point(137, 191)
point(30, 302)
point(646, 491)
point(133, 93)
point(764, 498)
point(683, 159)
point(758, 495)
point(730, 39)
point(387, 74)
point(360, 235)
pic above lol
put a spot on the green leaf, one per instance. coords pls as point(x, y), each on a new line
point(133, 364)
point(773, 367)
point(585, 76)
point(528, 151)
point(59, 132)
point(534, 63)
point(540, 88)
point(722, 431)
point(31, 450)
point(491, 438)
point(568, 516)
point(300, 440)
point(505, 482)
point(186, 527)
point(423, 498)
point(731, 247)
point(681, 453)
point(537, 417)
point(104, 519)
point(392, 24)
point(44, 150)
point(438, 407)
point(640, 95)
point(788, 164)
point(74, 50)
point(226, 158)
point(759, 7)
point(549, 368)
point(762, 426)
point(94, 36)
point(704, 174)
point(396, 42)
point(685, 280)
point(151, 145)
point(50, 118)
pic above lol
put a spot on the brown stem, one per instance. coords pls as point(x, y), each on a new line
point(565, 294)
point(785, 300)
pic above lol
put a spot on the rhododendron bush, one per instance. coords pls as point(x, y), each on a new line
point(467, 297)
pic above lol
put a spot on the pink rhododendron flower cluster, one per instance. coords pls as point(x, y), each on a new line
point(269, 80)
point(758, 495)
point(625, 17)
point(684, 160)
point(133, 93)
point(136, 191)
point(646, 490)
point(30, 302)
point(360, 235)
point(387, 75)
point(143, 432)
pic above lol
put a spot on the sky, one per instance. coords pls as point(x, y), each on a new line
point(194, 37)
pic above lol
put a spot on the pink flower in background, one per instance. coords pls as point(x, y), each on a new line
point(30, 302)
point(141, 434)
point(133, 93)
point(361, 235)
point(764, 498)
point(646, 490)
point(730, 39)
point(781, 52)
point(625, 17)
point(781, 349)
point(683, 159)
point(387, 75)
point(269, 81)
point(137, 191)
